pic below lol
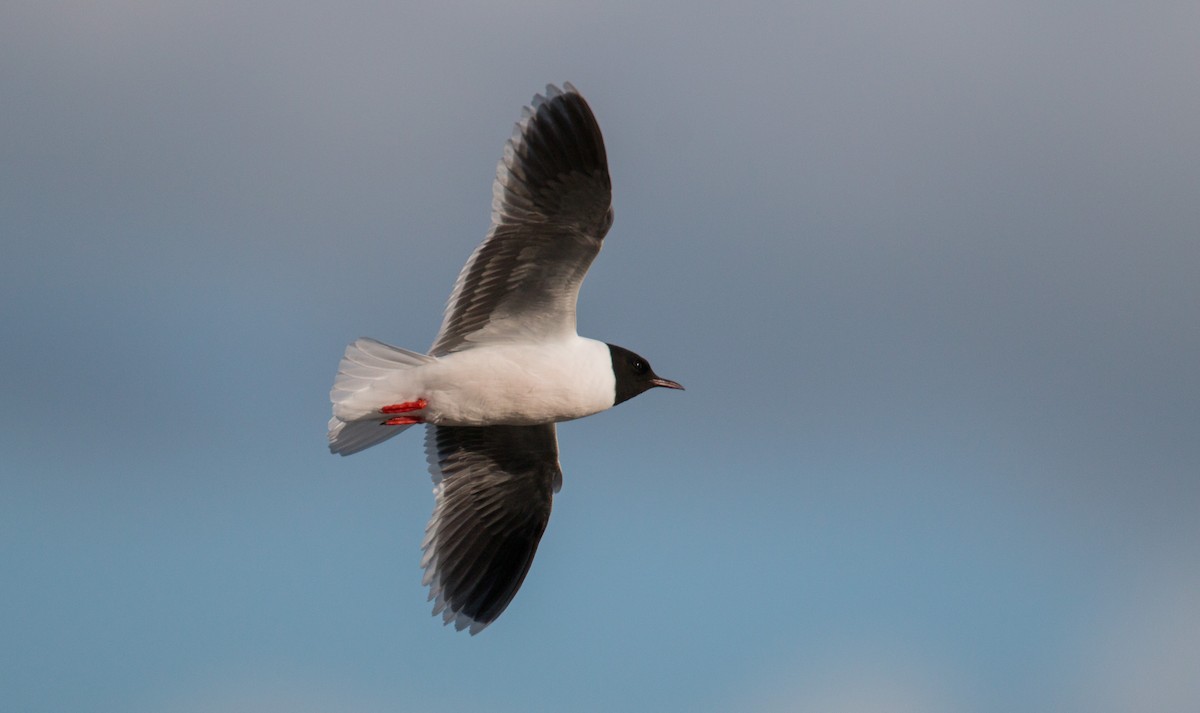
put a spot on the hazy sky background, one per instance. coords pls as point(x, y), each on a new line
point(929, 271)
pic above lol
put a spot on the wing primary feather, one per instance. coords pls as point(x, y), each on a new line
point(494, 487)
point(551, 208)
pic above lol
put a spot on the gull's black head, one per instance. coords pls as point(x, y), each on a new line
point(634, 375)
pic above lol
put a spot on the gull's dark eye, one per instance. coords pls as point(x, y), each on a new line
point(640, 366)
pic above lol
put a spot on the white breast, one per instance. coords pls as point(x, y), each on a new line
point(519, 384)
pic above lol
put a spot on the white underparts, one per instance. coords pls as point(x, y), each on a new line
point(496, 384)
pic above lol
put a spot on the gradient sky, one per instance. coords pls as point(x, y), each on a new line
point(929, 271)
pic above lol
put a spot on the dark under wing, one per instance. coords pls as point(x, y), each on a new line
point(551, 208)
point(494, 486)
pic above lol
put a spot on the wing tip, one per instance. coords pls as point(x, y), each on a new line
point(557, 134)
point(443, 607)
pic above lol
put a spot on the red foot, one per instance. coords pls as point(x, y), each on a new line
point(403, 421)
point(405, 407)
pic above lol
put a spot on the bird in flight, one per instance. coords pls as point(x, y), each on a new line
point(506, 366)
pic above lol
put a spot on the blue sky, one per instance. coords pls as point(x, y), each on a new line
point(928, 271)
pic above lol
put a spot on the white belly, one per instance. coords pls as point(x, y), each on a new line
point(518, 385)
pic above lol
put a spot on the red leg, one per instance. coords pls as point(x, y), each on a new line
point(403, 421)
point(405, 407)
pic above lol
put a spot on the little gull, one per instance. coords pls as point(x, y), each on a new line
point(506, 366)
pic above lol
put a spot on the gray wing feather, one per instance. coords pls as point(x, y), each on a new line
point(551, 208)
point(494, 487)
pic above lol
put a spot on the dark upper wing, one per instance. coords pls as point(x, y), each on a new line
point(493, 493)
point(551, 207)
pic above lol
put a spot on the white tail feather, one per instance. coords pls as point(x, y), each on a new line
point(367, 380)
point(346, 439)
